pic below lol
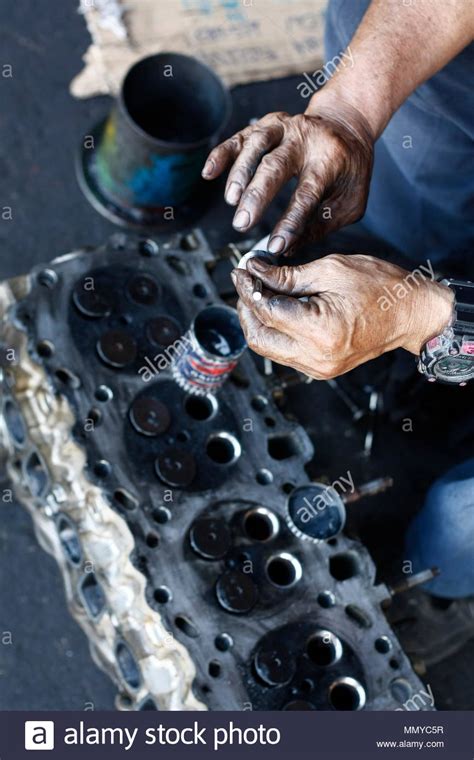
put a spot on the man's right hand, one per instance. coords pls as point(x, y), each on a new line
point(346, 318)
point(330, 152)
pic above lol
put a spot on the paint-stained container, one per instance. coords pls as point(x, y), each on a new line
point(215, 342)
point(147, 156)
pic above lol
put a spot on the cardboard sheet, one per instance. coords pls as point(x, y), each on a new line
point(242, 40)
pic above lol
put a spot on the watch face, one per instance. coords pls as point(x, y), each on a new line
point(464, 293)
point(454, 368)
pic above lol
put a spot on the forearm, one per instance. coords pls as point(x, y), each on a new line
point(395, 49)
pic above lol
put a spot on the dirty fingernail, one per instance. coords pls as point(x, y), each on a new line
point(241, 220)
point(259, 264)
point(276, 244)
point(208, 168)
point(233, 193)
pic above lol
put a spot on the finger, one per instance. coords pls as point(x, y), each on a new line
point(302, 207)
point(224, 155)
point(265, 341)
point(294, 281)
point(276, 346)
point(258, 142)
point(274, 170)
point(279, 312)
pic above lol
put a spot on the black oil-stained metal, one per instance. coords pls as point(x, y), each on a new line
point(243, 592)
point(163, 330)
point(176, 467)
point(149, 416)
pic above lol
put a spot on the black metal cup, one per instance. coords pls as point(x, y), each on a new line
point(148, 154)
point(215, 342)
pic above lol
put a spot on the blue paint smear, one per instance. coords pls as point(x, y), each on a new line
point(168, 180)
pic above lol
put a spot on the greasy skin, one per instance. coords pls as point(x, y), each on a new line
point(329, 149)
point(343, 323)
point(330, 152)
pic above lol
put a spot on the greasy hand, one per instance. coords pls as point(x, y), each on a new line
point(330, 153)
point(349, 317)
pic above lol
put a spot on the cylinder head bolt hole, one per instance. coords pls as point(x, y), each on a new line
point(358, 615)
point(259, 403)
point(104, 393)
point(264, 477)
point(162, 595)
point(215, 669)
point(95, 416)
point(260, 524)
point(152, 540)
point(186, 626)
point(223, 448)
point(223, 642)
point(47, 278)
point(14, 422)
point(92, 594)
point(45, 349)
point(161, 515)
point(125, 499)
point(347, 694)
point(148, 248)
point(284, 570)
point(35, 474)
point(68, 378)
point(201, 408)
point(326, 599)
point(128, 665)
point(324, 648)
point(199, 290)
point(69, 539)
point(383, 645)
point(343, 566)
point(102, 468)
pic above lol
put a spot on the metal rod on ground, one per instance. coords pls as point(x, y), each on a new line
point(357, 411)
point(414, 580)
point(368, 489)
point(369, 436)
point(267, 366)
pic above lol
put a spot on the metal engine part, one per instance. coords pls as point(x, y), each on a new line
point(166, 512)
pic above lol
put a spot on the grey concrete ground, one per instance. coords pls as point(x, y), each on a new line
point(44, 659)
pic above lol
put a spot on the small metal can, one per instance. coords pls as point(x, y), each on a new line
point(215, 342)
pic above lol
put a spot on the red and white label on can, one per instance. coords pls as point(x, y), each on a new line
point(467, 347)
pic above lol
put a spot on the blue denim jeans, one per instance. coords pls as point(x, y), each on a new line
point(442, 534)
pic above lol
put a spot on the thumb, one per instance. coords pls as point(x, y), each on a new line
point(288, 280)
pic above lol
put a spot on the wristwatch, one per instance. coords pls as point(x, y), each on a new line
point(449, 357)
